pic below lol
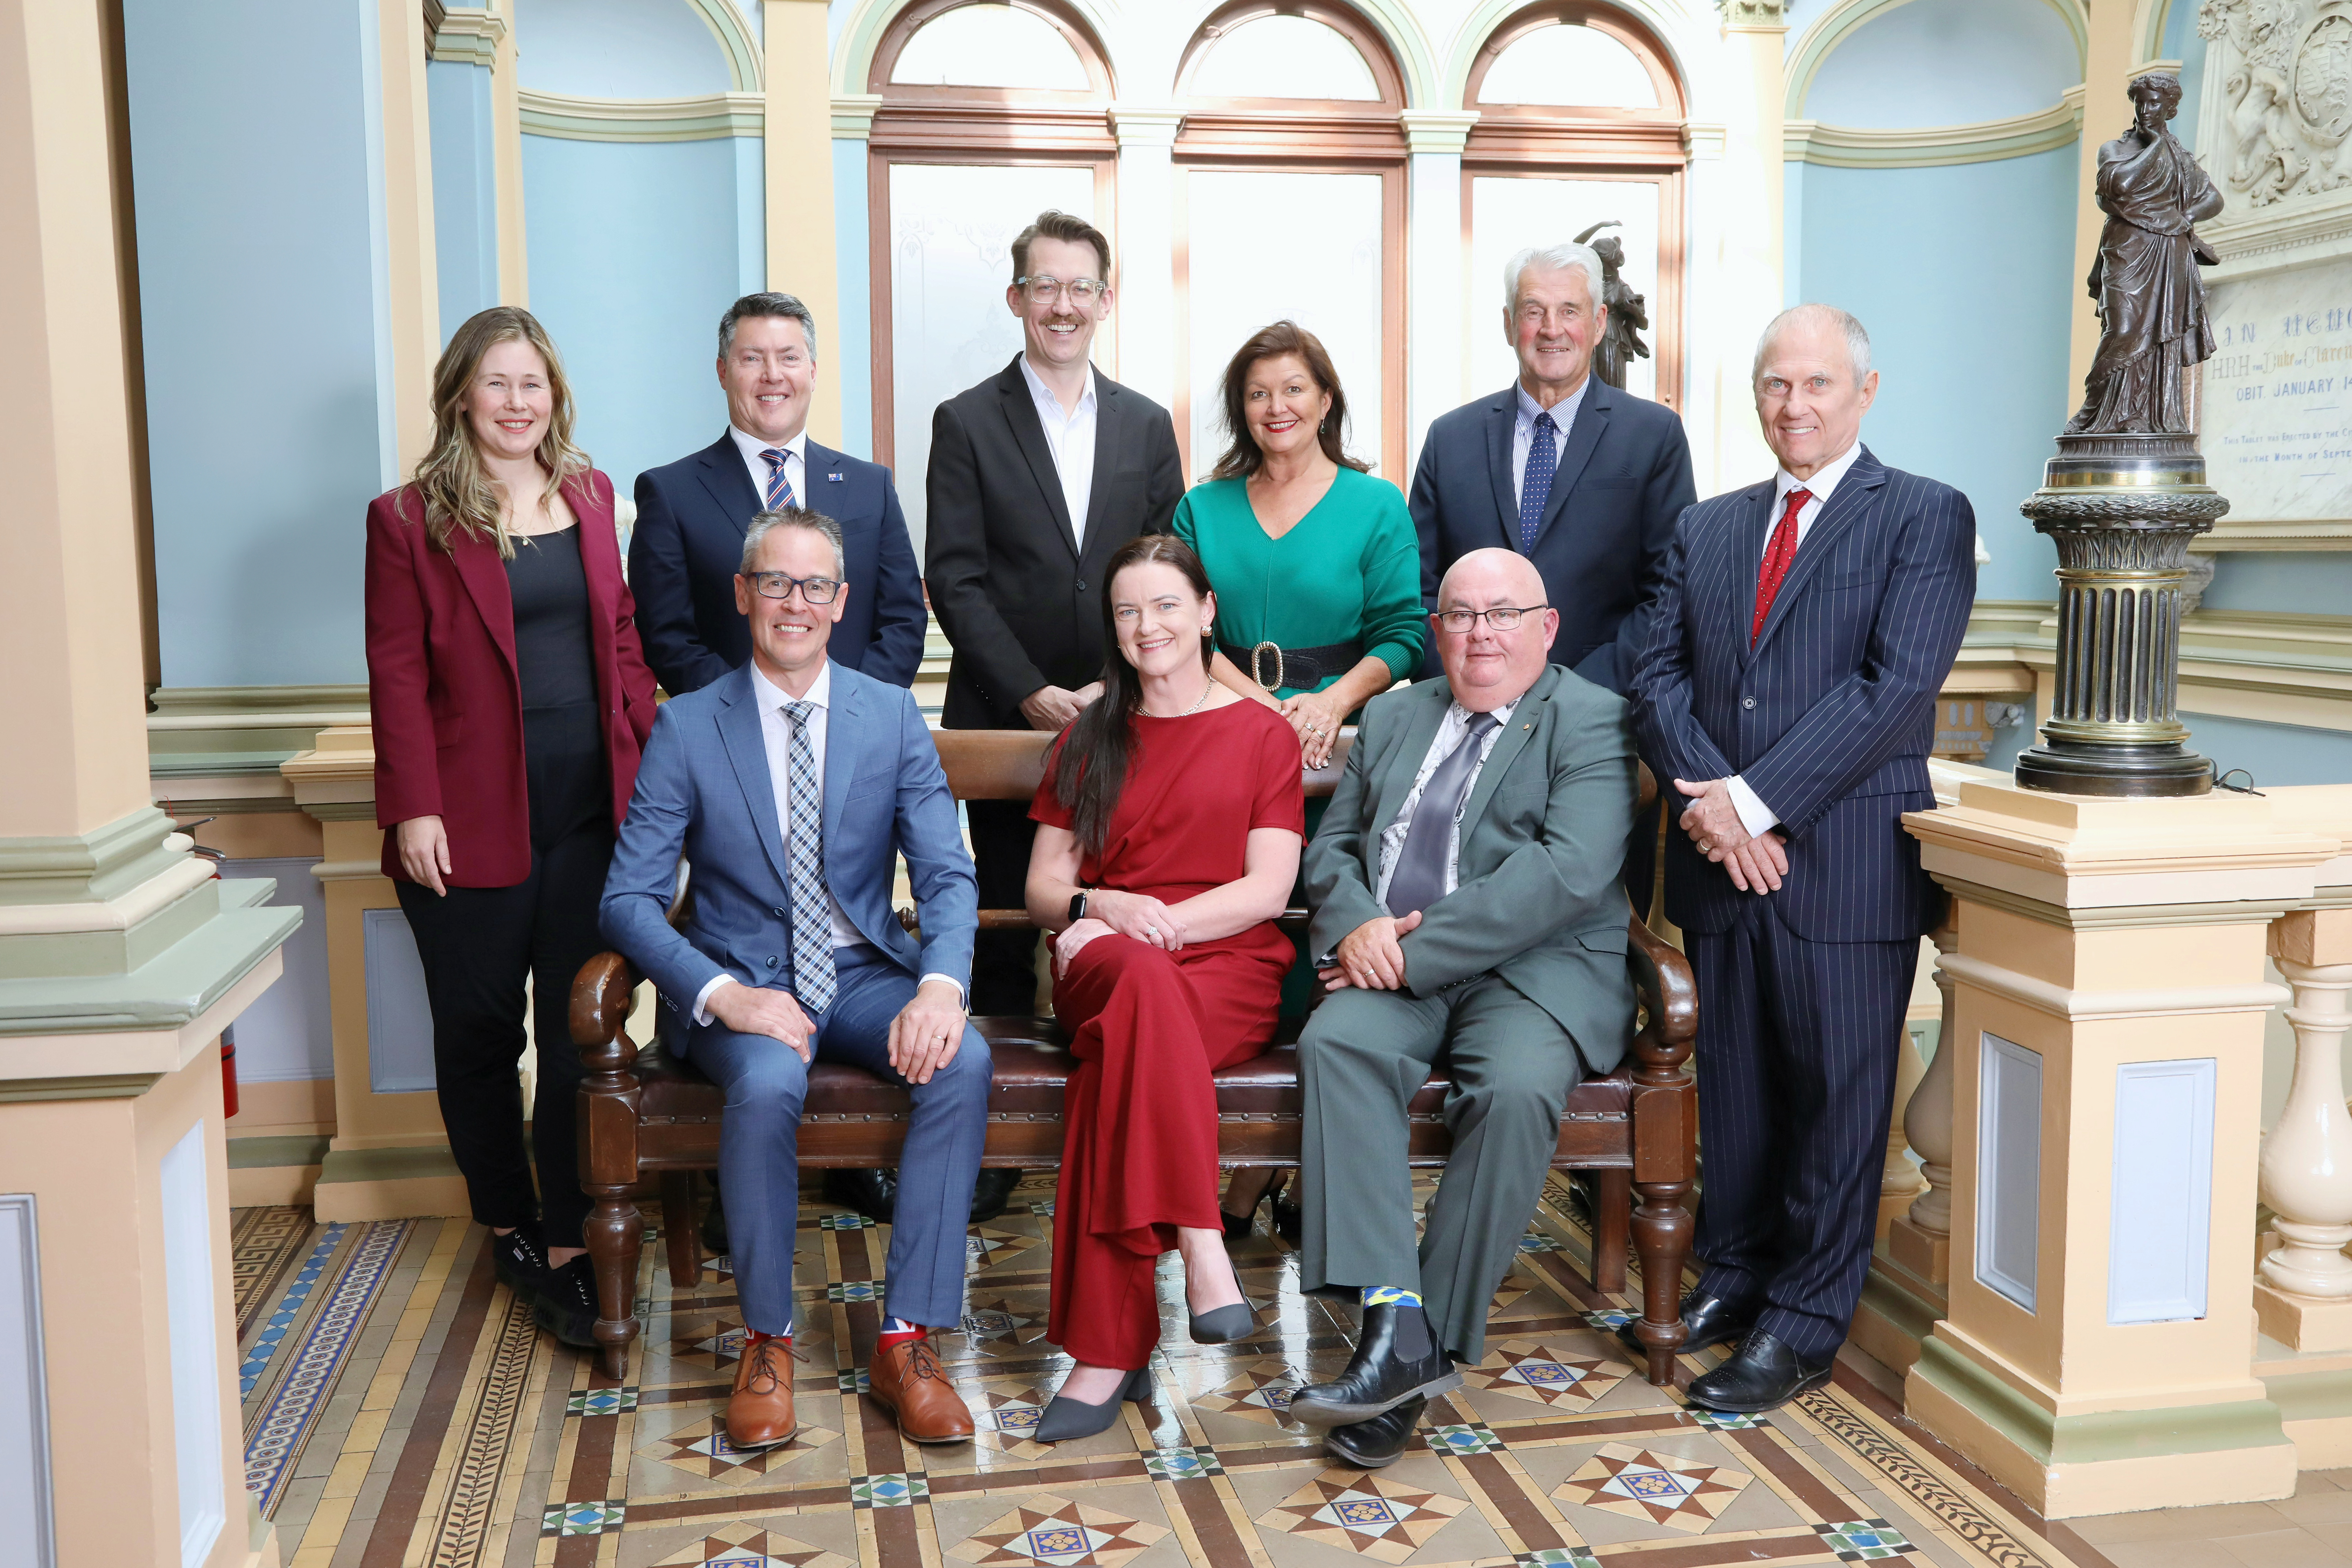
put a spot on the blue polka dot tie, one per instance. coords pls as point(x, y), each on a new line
point(1535, 490)
point(779, 488)
point(813, 976)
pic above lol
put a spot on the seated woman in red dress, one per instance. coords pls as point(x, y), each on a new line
point(1171, 819)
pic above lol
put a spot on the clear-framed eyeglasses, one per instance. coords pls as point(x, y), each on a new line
point(1501, 617)
point(1044, 288)
point(778, 585)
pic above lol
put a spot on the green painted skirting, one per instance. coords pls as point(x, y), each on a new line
point(266, 1153)
point(2312, 1395)
point(2107, 1435)
point(1898, 1304)
point(167, 993)
point(385, 1165)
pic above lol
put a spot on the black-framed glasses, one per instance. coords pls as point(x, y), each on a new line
point(778, 585)
point(1044, 288)
point(1501, 617)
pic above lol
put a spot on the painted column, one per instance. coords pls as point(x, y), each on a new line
point(506, 132)
point(460, 88)
point(120, 958)
point(799, 174)
point(1146, 298)
point(1444, 306)
point(1741, 243)
point(853, 128)
point(2106, 1056)
point(2106, 114)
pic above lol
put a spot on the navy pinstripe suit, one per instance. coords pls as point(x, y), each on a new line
point(1829, 717)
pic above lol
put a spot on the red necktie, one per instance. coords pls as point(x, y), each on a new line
point(1777, 554)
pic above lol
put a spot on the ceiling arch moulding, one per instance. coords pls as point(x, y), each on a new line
point(1392, 20)
point(1668, 25)
point(744, 71)
point(862, 34)
point(1935, 146)
point(1834, 26)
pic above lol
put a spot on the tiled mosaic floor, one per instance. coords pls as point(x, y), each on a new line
point(402, 1412)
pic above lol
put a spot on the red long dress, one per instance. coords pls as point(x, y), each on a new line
point(1139, 1117)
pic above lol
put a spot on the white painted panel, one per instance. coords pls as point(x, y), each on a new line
point(195, 1351)
point(1506, 216)
point(288, 1032)
point(400, 1022)
point(1569, 65)
point(951, 228)
point(990, 46)
point(27, 1531)
point(1265, 246)
point(2009, 1168)
point(1283, 56)
point(2158, 1239)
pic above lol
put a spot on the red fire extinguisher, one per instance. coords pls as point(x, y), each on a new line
point(228, 1031)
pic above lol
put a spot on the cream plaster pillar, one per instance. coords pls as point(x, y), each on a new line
point(2303, 1289)
point(1736, 289)
point(1145, 299)
point(2106, 114)
point(414, 288)
point(1444, 307)
point(799, 174)
point(506, 131)
point(2097, 1351)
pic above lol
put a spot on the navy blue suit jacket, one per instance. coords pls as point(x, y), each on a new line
point(1624, 477)
point(691, 516)
point(1831, 715)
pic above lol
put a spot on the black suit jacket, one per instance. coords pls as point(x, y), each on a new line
point(1015, 595)
point(1625, 475)
point(1830, 714)
point(691, 517)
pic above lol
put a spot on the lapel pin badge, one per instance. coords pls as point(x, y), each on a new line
point(833, 478)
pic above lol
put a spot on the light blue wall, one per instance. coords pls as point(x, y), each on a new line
point(635, 252)
point(617, 48)
point(853, 338)
point(464, 189)
point(1947, 62)
point(1963, 275)
point(2181, 43)
point(261, 294)
point(2273, 753)
point(2319, 583)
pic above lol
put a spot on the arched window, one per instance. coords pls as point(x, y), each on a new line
point(1579, 122)
point(1290, 202)
point(991, 113)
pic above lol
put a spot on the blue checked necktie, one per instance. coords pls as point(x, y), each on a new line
point(812, 919)
point(1535, 490)
point(779, 495)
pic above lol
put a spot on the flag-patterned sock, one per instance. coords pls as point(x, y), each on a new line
point(1390, 1296)
point(898, 1331)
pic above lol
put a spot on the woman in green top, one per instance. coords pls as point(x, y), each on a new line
point(1317, 569)
point(1315, 564)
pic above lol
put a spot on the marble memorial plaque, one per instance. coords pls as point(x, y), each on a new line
point(2277, 418)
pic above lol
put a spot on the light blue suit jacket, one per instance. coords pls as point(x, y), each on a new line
point(703, 792)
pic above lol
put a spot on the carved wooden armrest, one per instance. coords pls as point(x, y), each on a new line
point(1669, 996)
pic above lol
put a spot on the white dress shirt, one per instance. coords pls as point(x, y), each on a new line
point(776, 730)
point(1449, 731)
point(796, 464)
point(1071, 438)
point(1754, 814)
point(1523, 431)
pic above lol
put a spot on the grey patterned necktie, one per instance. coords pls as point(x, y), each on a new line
point(1419, 879)
point(813, 977)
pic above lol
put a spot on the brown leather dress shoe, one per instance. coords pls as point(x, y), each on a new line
point(906, 1380)
point(760, 1411)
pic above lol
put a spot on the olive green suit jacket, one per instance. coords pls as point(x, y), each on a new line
point(1543, 838)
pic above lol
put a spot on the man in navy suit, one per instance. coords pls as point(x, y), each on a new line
point(792, 785)
point(1787, 688)
point(691, 515)
point(1582, 479)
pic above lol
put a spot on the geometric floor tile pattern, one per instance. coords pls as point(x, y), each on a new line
point(403, 1410)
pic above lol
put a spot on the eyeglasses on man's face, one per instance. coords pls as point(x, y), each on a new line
point(778, 586)
point(1501, 617)
point(1044, 288)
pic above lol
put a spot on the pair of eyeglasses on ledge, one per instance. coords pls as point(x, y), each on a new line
point(777, 586)
point(1044, 290)
point(1501, 617)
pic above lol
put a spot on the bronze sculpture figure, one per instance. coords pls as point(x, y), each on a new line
point(1628, 311)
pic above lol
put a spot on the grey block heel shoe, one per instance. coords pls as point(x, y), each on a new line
point(1064, 1418)
point(1223, 1325)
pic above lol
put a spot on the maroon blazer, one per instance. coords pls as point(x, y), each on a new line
point(446, 702)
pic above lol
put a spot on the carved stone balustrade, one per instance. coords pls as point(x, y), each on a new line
point(2302, 1289)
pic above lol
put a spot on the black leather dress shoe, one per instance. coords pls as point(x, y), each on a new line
point(1396, 1359)
point(1709, 1320)
point(992, 1191)
point(1761, 1375)
point(874, 1193)
point(1368, 1444)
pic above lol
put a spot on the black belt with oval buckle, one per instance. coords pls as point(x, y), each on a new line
point(1300, 668)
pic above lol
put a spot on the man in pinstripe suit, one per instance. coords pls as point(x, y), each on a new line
point(1802, 628)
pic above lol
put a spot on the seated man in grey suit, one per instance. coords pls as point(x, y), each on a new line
point(791, 784)
point(1465, 888)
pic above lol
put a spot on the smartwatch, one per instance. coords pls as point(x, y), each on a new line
point(1077, 906)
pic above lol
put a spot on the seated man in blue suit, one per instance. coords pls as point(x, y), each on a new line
point(793, 785)
point(691, 515)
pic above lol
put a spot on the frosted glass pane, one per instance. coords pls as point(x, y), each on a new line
point(991, 45)
point(1283, 56)
point(951, 228)
point(1508, 215)
point(1265, 246)
point(1570, 66)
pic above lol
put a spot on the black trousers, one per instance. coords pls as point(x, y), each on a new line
point(1004, 962)
point(478, 944)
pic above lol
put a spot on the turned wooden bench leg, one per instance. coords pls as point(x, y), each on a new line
point(1613, 1215)
point(614, 1232)
point(678, 1229)
point(1662, 1230)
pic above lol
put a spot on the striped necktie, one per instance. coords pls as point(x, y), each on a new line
point(779, 488)
point(813, 973)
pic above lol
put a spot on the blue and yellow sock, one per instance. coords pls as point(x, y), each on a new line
point(1389, 1296)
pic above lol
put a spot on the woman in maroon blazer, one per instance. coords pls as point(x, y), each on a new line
point(511, 703)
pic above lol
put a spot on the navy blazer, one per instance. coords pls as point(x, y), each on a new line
point(691, 517)
point(704, 792)
point(1831, 715)
point(1624, 477)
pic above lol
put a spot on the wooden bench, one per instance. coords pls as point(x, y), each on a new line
point(648, 1114)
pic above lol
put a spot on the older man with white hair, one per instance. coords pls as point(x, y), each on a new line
point(1786, 696)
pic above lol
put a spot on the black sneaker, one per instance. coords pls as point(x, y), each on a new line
point(520, 1258)
point(567, 1308)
